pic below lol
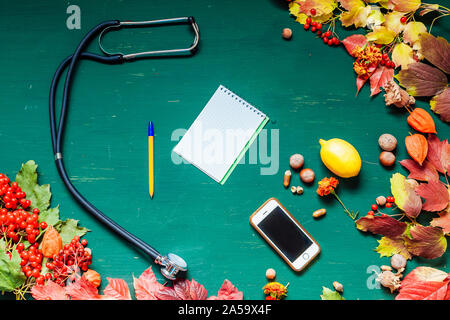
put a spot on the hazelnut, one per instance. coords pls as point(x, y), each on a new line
point(270, 274)
point(398, 262)
point(307, 175)
point(387, 142)
point(387, 158)
point(296, 161)
point(381, 201)
point(286, 34)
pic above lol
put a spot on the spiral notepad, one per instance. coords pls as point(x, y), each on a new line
point(221, 134)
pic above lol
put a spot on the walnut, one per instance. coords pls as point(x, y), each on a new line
point(397, 96)
point(389, 280)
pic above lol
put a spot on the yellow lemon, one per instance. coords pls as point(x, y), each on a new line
point(340, 157)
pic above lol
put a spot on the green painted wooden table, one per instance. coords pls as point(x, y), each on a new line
point(307, 89)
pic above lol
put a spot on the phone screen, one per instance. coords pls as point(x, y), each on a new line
point(285, 234)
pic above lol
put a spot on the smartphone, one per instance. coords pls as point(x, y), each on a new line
point(286, 236)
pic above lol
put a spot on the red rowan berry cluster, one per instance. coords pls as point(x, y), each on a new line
point(15, 221)
point(316, 27)
point(69, 261)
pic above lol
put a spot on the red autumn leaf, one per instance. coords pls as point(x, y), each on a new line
point(146, 286)
point(379, 78)
point(426, 242)
point(360, 81)
point(183, 290)
point(436, 51)
point(443, 221)
point(440, 104)
point(167, 293)
point(383, 225)
point(228, 292)
point(197, 291)
point(82, 289)
point(424, 283)
point(422, 80)
point(435, 194)
point(49, 291)
point(424, 172)
point(353, 41)
point(438, 153)
point(117, 289)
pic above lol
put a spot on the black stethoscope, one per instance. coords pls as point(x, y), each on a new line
point(172, 265)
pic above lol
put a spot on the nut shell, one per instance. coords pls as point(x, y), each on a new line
point(381, 201)
point(287, 33)
point(398, 262)
point(271, 274)
point(387, 158)
point(387, 142)
point(296, 161)
point(307, 175)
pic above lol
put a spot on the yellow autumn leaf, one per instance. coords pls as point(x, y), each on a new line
point(392, 21)
point(388, 247)
point(301, 18)
point(324, 9)
point(350, 5)
point(404, 5)
point(412, 31)
point(375, 19)
point(402, 55)
point(398, 189)
point(357, 16)
point(381, 35)
point(294, 8)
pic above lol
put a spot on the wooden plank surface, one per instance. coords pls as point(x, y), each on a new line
point(306, 88)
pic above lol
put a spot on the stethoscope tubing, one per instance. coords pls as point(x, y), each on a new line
point(58, 131)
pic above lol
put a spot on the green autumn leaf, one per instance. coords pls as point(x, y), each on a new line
point(11, 275)
point(50, 216)
point(27, 180)
point(69, 229)
point(328, 294)
point(389, 246)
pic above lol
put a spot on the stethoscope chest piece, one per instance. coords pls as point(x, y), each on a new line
point(173, 266)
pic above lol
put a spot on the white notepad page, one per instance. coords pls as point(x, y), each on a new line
point(221, 134)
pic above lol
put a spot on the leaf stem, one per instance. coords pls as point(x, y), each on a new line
point(351, 214)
